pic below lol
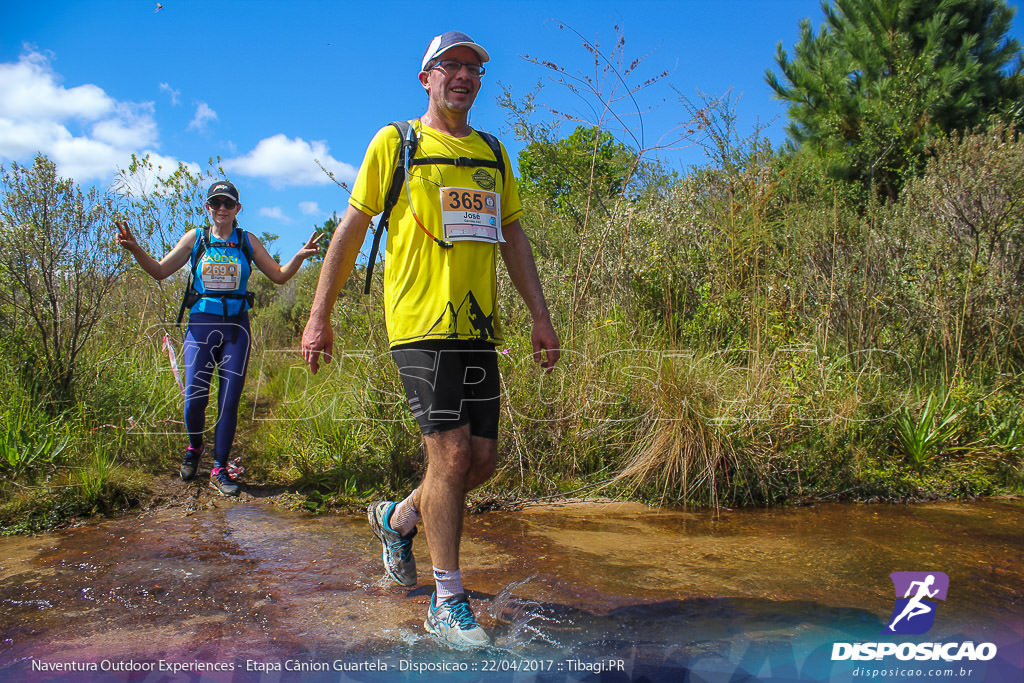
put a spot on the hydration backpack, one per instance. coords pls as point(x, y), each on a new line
point(405, 158)
point(192, 295)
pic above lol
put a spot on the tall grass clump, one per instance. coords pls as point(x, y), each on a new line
point(684, 452)
point(920, 438)
point(835, 307)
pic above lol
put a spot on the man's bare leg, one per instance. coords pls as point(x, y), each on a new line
point(456, 464)
point(395, 523)
point(484, 463)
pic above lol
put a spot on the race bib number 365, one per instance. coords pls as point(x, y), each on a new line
point(470, 214)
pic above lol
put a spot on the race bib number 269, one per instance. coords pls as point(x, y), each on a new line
point(220, 276)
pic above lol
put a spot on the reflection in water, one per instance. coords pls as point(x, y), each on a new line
point(747, 595)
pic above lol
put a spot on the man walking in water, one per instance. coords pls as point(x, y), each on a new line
point(459, 208)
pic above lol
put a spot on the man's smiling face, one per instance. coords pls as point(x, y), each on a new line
point(453, 90)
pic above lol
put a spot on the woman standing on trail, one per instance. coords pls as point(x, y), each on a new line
point(218, 335)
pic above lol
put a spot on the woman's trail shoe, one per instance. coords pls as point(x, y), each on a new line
point(222, 481)
point(190, 465)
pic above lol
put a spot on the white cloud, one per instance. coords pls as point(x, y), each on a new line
point(80, 157)
point(29, 89)
point(167, 165)
point(88, 134)
point(174, 94)
point(310, 208)
point(133, 127)
point(144, 181)
point(203, 114)
point(282, 161)
point(274, 212)
point(22, 139)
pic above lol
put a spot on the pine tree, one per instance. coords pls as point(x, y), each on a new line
point(881, 77)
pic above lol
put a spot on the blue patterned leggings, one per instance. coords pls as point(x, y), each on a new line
point(219, 346)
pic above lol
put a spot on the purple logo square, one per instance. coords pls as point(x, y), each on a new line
point(914, 610)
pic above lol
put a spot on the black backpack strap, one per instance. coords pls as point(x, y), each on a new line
point(495, 146)
point(184, 300)
point(191, 296)
point(204, 244)
point(245, 245)
point(406, 150)
point(460, 161)
point(492, 142)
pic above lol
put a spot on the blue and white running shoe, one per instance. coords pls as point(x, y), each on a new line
point(453, 622)
point(399, 563)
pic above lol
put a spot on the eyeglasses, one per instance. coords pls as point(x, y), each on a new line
point(453, 66)
point(222, 202)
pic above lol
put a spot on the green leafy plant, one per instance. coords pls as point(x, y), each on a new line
point(94, 477)
point(882, 77)
point(25, 446)
point(921, 439)
point(1007, 433)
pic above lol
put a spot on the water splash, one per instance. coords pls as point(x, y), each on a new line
point(527, 622)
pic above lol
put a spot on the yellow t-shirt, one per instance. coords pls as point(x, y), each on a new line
point(431, 292)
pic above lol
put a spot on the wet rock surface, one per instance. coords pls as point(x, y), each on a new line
point(574, 587)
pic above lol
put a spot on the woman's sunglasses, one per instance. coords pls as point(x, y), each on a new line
point(221, 202)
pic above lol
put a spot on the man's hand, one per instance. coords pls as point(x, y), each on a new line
point(518, 256)
point(317, 338)
point(545, 343)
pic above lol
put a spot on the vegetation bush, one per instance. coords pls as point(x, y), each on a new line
point(753, 331)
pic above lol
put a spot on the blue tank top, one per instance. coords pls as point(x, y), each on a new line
point(223, 269)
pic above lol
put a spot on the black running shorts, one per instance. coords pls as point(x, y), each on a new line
point(450, 383)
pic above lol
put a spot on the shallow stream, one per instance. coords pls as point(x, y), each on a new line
point(594, 591)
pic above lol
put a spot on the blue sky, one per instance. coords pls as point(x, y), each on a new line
point(268, 86)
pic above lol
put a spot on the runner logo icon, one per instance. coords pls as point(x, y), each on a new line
point(914, 611)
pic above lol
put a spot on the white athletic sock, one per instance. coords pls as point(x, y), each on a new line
point(404, 517)
point(447, 583)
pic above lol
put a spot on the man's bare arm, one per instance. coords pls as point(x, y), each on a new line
point(338, 264)
point(522, 269)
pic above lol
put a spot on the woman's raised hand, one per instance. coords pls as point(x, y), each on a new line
point(125, 238)
point(311, 246)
